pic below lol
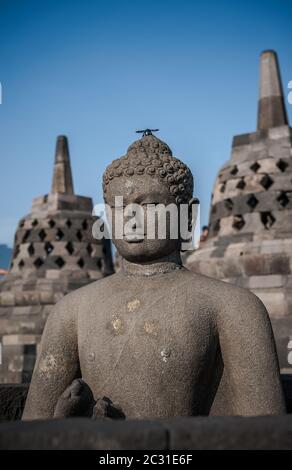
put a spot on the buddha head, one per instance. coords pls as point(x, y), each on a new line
point(145, 181)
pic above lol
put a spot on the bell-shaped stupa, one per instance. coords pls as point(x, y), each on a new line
point(54, 253)
point(250, 225)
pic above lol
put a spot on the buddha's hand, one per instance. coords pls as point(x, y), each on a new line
point(76, 400)
point(106, 409)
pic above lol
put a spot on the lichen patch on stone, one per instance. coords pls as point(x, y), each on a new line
point(150, 328)
point(165, 354)
point(117, 325)
point(47, 366)
point(133, 305)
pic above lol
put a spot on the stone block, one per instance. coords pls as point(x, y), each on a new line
point(7, 299)
point(239, 153)
point(284, 221)
point(217, 194)
point(279, 132)
point(283, 182)
point(267, 282)
point(19, 340)
point(275, 302)
point(200, 433)
point(242, 139)
point(278, 264)
point(84, 434)
point(271, 246)
point(280, 149)
point(252, 183)
point(229, 268)
point(267, 201)
point(46, 297)
point(269, 432)
point(257, 265)
point(242, 169)
point(268, 165)
point(15, 364)
point(27, 298)
point(22, 310)
point(95, 275)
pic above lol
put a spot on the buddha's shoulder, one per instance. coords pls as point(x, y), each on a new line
point(89, 294)
point(218, 292)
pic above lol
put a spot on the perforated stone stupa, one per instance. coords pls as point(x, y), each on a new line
point(54, 253)
point(250, 226)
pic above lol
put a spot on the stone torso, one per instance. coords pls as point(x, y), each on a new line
point(150, 345)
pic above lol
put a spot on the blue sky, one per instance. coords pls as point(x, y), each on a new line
point(98, 70)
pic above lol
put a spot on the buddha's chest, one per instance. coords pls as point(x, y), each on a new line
point(144, 340)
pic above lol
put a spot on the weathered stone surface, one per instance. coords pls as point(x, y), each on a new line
point(215, 433)
point(222, 402)
point(275, 300)
point(231, 433)
point(271, 109)
point(20, 340)
point(12, 400)
point(256, 202)
point(267, 281)
point(84, 434)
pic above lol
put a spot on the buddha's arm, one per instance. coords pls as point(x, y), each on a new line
point(249, 356)
point(57, 364)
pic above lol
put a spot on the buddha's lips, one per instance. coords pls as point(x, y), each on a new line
point(134, 238)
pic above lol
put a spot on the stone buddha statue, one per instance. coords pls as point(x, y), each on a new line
point(152, 340)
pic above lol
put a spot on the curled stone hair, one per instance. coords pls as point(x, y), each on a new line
point(151, 156)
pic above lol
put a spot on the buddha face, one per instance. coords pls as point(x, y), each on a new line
point(141, 239)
